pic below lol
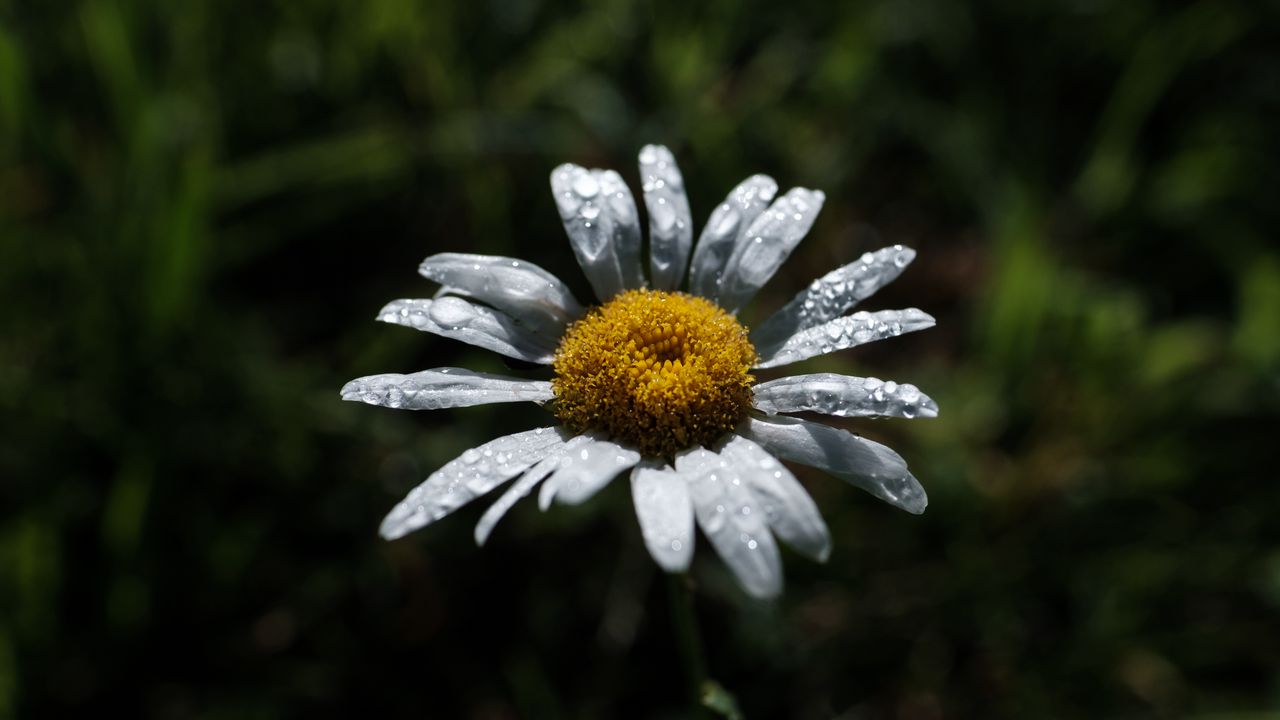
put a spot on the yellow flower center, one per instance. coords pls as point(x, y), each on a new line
point(659, 371)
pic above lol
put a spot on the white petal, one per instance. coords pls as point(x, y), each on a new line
point(585, 471)
point(766, 244)
point(522, 487)
point(732, 520)
point(513, 494)
point(792, 514)
point(843, 396)
point(866, 464)
point(470, 475)
point(532, 296)
point(600, 216)
point(831, 295)
point(443, 388)
point(665, 512)
point(453, 317)
point(728, 222)
point(849, 331)
point(670, 222)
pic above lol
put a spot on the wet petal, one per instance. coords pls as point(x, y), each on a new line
point(453, 317)
point(792, 514)
point(861, 462)
point(665, 513)
point(849, 331)
point(728, 222)
point(761, 250)
point(470, 475)
point(600, 217)
point(732, 520)
point(843, 396)
point(831, 295)
point(670, 222)
point(522, 487)
point(532, 296)
point(443, 388)
point(585, 471)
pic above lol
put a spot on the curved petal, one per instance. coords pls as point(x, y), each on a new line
point(585, 471)
point(443, 388)
point(670, 222)
point(866, 464)
point(766, 244)
point(849, 331)
point(792, 514)
point(665, 513)
point(843, 396)
point(468, 476)
point(600, 217)
point(453, 317)
point(831, 295)
point(727, 223)
point(732, 520)
point(522, 487)
point(532, 296)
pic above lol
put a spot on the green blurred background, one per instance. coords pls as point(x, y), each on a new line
point(203, 204)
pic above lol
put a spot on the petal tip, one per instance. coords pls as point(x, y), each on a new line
point(392, 529)
point(916, 505)
point(770, 591)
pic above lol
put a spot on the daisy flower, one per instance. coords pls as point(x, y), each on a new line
point(655, 381)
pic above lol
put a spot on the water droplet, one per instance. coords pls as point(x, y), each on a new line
point(451, 312)
point(585, 185)
point(471, 456)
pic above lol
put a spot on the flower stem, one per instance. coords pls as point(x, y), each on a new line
point(685, 624)
point(706, 693)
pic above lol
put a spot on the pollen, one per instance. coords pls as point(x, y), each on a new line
point(659, 371)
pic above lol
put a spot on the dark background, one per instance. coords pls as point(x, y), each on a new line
point(203, 204)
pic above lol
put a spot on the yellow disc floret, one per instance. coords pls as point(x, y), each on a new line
point(659, 371)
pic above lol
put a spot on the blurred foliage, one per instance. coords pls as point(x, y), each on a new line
point(203, 204)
